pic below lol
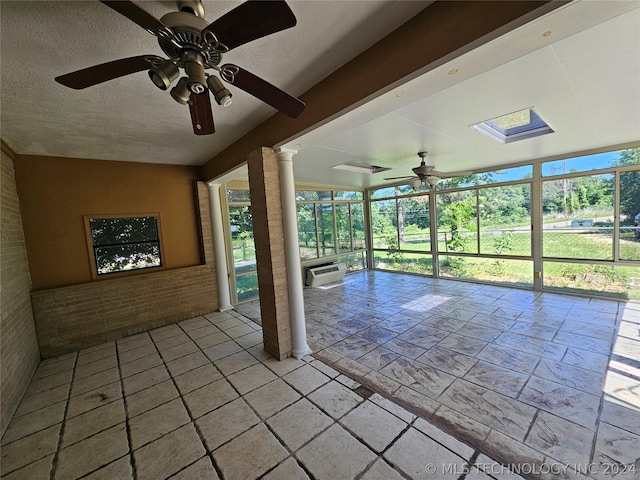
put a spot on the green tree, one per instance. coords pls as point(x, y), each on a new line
point(629, 182)
point(459, 216)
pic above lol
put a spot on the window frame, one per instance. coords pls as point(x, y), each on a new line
point(135, 271)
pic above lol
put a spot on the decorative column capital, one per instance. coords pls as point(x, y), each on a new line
point(285, 154)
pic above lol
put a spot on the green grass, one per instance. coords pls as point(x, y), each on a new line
point(602, 280)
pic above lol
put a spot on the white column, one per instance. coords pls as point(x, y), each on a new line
point(222, 273)
point(292, 252)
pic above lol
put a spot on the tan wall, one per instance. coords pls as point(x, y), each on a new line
point(56, 193)
point(19, 347)
point(79, 316)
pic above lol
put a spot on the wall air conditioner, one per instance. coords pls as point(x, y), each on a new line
point(324, 274)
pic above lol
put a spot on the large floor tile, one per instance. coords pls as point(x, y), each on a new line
point(209, 397)
point(93, 421)
point(335, 399)
point(169, 454)
point(373, 425)
point(157, 422)
point(325, 456)
point(306, 379)
point(299, 423)
point(490, 408)
point(225, 423)
point(28, 449)
point(271, 398)
point(420, 457)
point(92, 453)
point(250, 455)
point(34, 422)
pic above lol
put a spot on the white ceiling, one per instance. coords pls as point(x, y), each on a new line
point(130, 119)
point(583, 78)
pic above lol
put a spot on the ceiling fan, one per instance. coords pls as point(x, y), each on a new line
point(194, 45)
point(428, 174)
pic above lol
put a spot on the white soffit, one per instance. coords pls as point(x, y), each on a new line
point(584, 72)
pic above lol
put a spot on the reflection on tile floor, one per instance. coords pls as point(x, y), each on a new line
point(525, 377)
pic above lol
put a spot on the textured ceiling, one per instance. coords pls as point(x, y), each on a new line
point(578, 65)
point(130, 119)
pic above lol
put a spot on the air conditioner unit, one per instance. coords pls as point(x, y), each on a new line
point(324, 274)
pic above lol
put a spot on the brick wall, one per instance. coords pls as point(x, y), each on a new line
point(71, 318)
point(19, 347)
point(268, 232)
point(79, 316)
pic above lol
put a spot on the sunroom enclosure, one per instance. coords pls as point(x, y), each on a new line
point(564, 225)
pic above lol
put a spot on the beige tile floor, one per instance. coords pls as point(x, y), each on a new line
point(527, 378)
point(201, 400)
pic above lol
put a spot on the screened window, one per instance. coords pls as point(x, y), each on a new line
point(331, 225)
point(124, 243)
point(578, 217)
point(307, 235)
point(505, 219)
point(457, 222)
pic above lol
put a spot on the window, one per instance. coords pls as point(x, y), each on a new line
point(119, 244)
point(240, 216)
point(331, 225)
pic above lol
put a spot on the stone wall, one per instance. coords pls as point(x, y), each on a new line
point(19, 346)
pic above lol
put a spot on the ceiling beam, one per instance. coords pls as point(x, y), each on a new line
point(439, 33)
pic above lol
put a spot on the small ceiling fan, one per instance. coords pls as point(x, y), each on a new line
point(428, 174)
point(194, 45)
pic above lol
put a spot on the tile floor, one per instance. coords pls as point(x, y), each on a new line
point(527, 378)
point(201, 400)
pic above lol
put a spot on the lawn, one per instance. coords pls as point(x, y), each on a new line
point(607, 280)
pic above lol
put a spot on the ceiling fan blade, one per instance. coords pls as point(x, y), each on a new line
point(201, 114)
point(136, 14)
point(104, 72)
point(262, 90)
point(399, 178)
point(250, 21)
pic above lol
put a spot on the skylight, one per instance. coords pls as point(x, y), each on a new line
point(515, 126)
point(361, 168)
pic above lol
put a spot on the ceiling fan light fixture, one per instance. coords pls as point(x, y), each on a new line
point(197, 81)
point(164, 75)
point(415, 183)
point(432, 180)
point(220, 92)
point(180, 92)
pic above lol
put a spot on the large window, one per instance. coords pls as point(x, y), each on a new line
point(243, 246)
point(483, 221)
point(591, 243)
point(457, 222)
point(400, 225)
point(120, 244)
point(578, 214)
point(331, 226)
